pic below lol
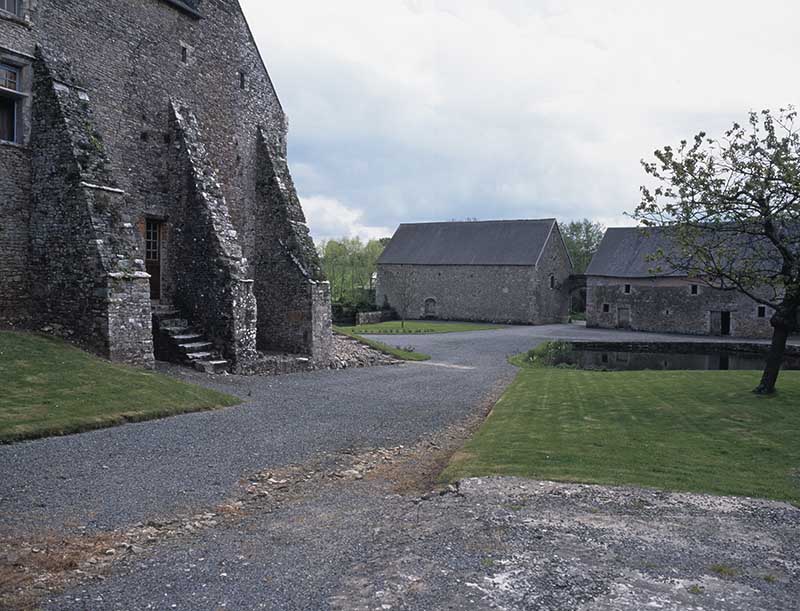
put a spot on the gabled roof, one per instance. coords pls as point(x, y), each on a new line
point(623, 253)
point(468, 243)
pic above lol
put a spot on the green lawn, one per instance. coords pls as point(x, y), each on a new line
point(418, 326)
point(701, 431)
point(395, 351)
point(51, 388)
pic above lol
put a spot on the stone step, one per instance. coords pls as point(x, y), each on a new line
point(185, 337)
point(174, 332)
point(199, 356)
point(195, 346)
point(212, 366)
point(173, 322)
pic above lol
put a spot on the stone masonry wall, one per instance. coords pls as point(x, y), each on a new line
point(86, 277)
point(552, 305)
point(293, 296)
point(133, 80)
point(16, 48)
point(209, 274)
point(14, 219)
point(666, 305)
point(496, 293)
point(131, 58)
point(492, 293)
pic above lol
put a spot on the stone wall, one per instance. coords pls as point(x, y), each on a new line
point(16, 48)
point(293, 296)
point(161, 52)
point(551, 305)
point(207, 271)
point(496, 293)
point(373, 318)
point(86, 277)
point(667, 305)
point(133, 80)
point(14, 219)
point(504, 294)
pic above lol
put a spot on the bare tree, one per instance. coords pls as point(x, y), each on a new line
point(732, 208)
point(404, 292)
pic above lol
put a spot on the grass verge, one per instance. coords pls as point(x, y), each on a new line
point(413, 327)
point(399, 353)
point(52, 388)
point(696, 431)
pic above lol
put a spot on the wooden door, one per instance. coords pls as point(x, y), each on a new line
point(152, 257)
point(623, 318)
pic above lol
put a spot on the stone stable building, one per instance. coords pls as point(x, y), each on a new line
point(498, 271)
point(142, 162)
point(624, 291)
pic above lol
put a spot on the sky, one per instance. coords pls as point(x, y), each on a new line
point(437, 110)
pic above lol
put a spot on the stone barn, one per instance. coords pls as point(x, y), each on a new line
point(624, 291)
point(144, 182)
point(498, 271)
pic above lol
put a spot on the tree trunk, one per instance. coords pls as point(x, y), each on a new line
point(783, 322)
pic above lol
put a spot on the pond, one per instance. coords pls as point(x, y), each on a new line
point(634, 360)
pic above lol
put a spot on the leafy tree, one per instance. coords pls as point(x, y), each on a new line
point(732, 208)
point(349, 265)
point(582, 239)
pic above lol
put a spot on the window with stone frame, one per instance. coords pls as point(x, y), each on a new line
point(9, 80)
point(11, 6)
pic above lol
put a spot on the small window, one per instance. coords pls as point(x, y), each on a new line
point(695, 289)
point(762, 311)
point(242, 81)
point(604, 358)
point(184, 54)
point(9, 76)
point(606, 308)
point(11, 6)
point(666, 312)
point(627, 289)
point(552, 281)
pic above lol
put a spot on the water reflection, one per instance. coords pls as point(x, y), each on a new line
point(603, 359)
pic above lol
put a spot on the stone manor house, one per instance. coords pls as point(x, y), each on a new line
point(499, 271)
point(143, 181)
point(624, 291)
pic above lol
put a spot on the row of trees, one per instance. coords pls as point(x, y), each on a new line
point(350, 264)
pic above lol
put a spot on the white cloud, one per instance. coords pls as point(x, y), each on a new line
point(435, 109)
point(329, 218)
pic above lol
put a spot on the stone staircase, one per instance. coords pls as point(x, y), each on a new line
point(177, 342)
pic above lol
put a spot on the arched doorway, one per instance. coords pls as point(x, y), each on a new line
point(430, 308)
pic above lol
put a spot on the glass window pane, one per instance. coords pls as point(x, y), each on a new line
point(9, 77)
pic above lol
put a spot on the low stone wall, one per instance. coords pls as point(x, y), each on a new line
point(373, 318)
point(681, 347)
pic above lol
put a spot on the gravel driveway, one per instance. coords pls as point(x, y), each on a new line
point(271, 505)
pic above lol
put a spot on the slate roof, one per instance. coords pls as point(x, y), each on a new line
point(623, 253)
point(468, 243)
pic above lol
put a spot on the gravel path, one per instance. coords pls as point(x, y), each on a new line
point(113, 477)
point(340, 540)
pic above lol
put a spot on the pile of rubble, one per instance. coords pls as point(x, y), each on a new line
point(347, 353)
point(351, 353)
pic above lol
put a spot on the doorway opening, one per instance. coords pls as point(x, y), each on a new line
point(623, 318)
point(430, 307)
point(725, 323)
point(153, 249)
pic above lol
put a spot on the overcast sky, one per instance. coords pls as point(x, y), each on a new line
point(429, 110)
